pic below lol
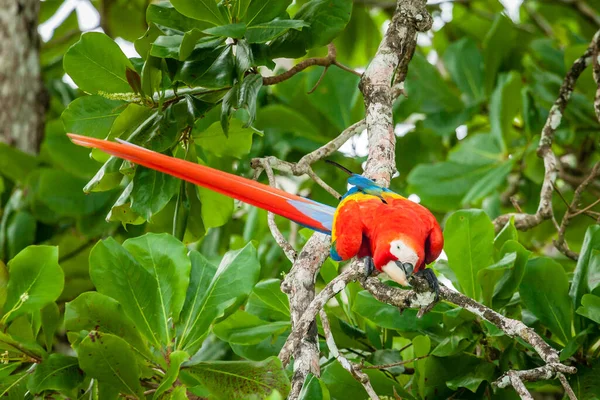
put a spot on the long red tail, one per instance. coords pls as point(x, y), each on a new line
point(304, 211)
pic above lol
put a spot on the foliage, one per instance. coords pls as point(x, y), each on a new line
point(163, 290)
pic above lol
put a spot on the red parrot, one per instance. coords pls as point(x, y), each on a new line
point(395, 235)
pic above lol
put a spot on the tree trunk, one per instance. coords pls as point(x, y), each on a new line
point(22, 95)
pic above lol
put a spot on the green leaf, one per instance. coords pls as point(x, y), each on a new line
point(469, 244)
point(497, 44)
point(152, 191)
point(50, 316)
point(91, 115)
point(473, 378)
point(110, 360)
point(165, 15)
point(326, 19)
point(508, 232)
point(590, 307)
point(117, 274)
point(239, 379)
point(14, 387)
point(248, 95)
point(493, 179)
point(211, 68)
point(244, 328)
point(233, 281)
point(165, 258)
point(314, 389)
point(3, 283)
point(387, 316)
point(544, 291)
point(489, 276)
point(176, 358)
point(203, 10)
point(35, 279)
point(239, 9)
point(57, 372)
point(510, 281)
point(95, 311)
point(20, 232)
point(97, 64)
point(216, 208)
point(267, 31)
point(14, 164)
point(268, 302)
point(586, 277)
point(236, 144)
point(235, 31)
point(505, 102)
point(265, 10)
point(585, 383)
point(465, 65)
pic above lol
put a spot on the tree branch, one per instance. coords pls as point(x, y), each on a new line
point(544, 212)
point(327, 61)
point(349, 366)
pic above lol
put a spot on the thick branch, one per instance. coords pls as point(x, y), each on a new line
point(527, 221)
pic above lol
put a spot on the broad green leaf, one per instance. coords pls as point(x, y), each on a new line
point(91, 115)
point(14, 164)
point(20, 232)
point(267, 31)
point(239, 9)
point(176, 358)
point(510, 281)
point(326, 19)
point(235, 31)
point(210, 68)
point(473, 378)
point(268, 302)
point(585, 383)
point(264, 10)
point(57, 372)
point(117, 274)
point(165, 258)
point(469, 244)
point(179, 393)
point(248, 96)
point(108, 176)
point(545, 292)
point(203, 10)
point(477, 150)
point(110, 360)
point(313, 389)
point(3, 283)
point(50, 320)
point(387, 316)
point(505, 102)
point(14, 387)
point(497, 44)
point(97, 64)
point(239, 379)
point(165, 15)
point(590, 307)
point(216, 208)
point(164, 47)
point(233, 281)
point(236, 144)
point(342, 385)
point(152, 191)
point(70, 200)
point(493, 179)
point(465, 65)
point(489, 276)
point(508, 232)
point(35, 279)
point(244, 328)
point(287, 120)
point(587, 273)
point(95, 311)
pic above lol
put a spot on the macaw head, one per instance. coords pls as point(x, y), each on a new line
point(398, 258)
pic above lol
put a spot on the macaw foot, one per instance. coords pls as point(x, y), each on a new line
point(431, 279)
point(369, 266)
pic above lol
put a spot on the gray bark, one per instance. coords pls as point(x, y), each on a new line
point(22, 94)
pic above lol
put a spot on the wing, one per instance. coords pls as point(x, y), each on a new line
point(435, 243)
point(304, 211)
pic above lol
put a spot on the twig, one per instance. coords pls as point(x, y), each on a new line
point(396, 364)
point(527, 221)
point(287, 248)
point(520, 388)
point(327, 61)
point(349, 366)
point(560, 243)
point(596, 74)
point(566, 386)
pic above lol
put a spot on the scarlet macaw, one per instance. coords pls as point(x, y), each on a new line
point(395, 235)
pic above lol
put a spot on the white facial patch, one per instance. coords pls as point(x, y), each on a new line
point(395, 273)
point(403, 252)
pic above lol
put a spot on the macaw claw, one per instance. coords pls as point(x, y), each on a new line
point(432, 280)
point(369, 266)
